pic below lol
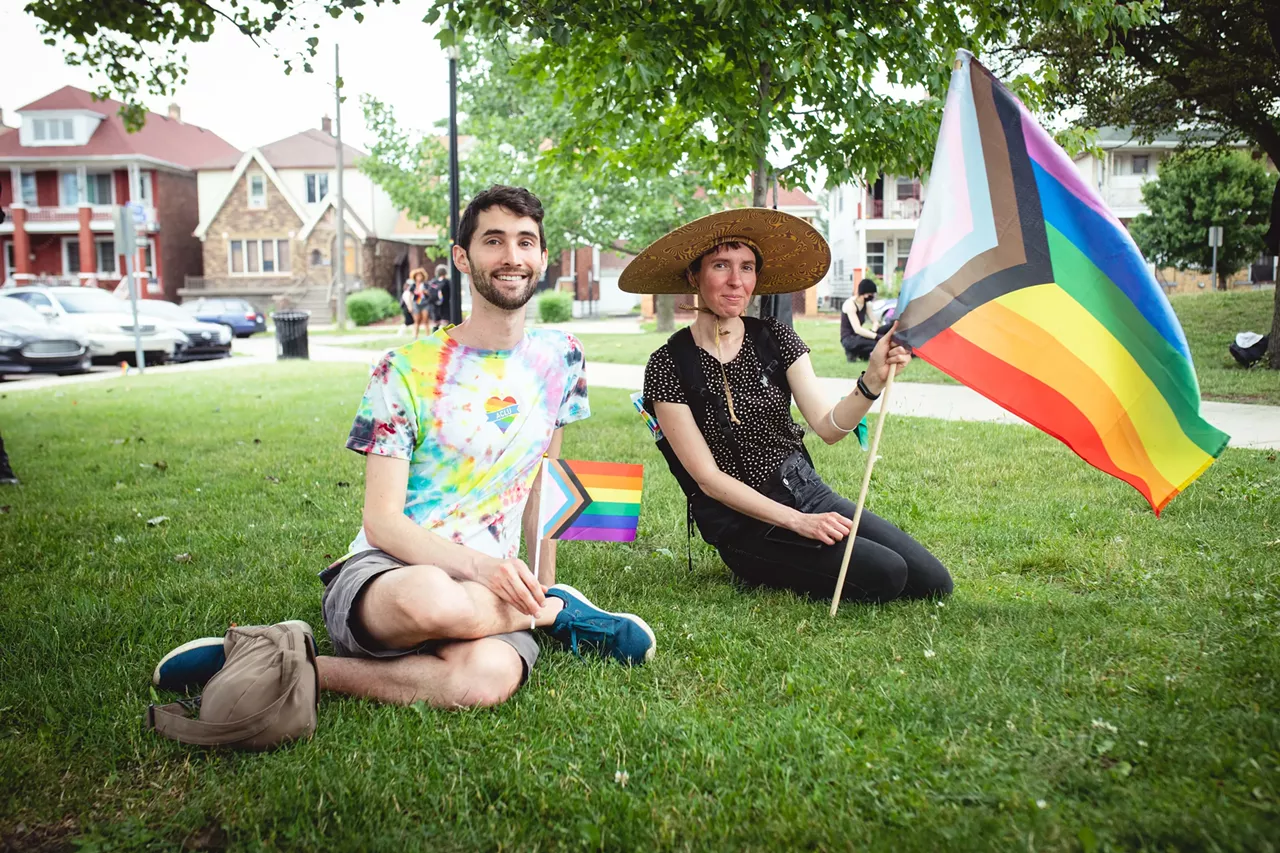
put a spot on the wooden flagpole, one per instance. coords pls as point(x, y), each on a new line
point(862, 496)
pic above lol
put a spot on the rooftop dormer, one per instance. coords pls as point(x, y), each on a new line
point(42, 128)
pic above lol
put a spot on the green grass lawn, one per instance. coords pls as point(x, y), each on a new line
point(1210, 321)
point(1101, 680)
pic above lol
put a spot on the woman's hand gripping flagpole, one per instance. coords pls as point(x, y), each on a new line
point(866, 481)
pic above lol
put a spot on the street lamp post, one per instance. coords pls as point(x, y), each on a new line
point(455, 275)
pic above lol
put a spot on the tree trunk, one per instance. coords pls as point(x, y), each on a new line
point(1272, 240)
point(665, 310)
point(1272, 358)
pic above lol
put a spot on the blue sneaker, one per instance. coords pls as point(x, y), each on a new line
point(191, 665)
point(622, 636)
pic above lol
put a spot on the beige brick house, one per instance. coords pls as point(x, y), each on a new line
point(268, 227)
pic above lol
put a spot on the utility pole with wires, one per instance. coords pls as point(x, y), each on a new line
point(339, 259)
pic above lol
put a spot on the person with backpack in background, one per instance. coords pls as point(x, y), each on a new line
point(440, 286)
point(721, 392)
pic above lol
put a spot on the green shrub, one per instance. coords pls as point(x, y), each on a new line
point(555, 306)
point(369, 306)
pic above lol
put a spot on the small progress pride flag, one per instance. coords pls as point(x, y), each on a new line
point(590, 500)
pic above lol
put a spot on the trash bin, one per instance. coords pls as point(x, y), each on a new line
point(291, 333)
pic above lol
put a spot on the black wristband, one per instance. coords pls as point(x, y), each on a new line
point(864, 390)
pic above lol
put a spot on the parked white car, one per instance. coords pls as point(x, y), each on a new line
point(103, 320)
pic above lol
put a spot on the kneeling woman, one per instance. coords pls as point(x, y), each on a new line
point(734, 446)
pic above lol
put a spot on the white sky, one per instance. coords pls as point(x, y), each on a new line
point(240, 91)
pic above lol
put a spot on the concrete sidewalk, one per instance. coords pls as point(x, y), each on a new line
point(1254, 427)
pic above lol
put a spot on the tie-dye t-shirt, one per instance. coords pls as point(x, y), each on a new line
point(473, 424)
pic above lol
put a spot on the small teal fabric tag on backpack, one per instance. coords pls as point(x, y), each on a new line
point(861, 431)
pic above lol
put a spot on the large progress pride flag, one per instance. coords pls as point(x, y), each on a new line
point(590, 500)
point(1022, 285)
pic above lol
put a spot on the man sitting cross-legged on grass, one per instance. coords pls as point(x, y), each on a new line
point(432, 603)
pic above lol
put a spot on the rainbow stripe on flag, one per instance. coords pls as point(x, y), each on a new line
point(590, 500)
point(1025, 287)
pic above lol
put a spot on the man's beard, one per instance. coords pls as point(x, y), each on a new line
point(483, 281)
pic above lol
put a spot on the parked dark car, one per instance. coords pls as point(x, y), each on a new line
point(204, 340)
point(30, 343)
point(241, 316)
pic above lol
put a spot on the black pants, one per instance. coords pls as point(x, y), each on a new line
point(886, 563)
point(858, 348)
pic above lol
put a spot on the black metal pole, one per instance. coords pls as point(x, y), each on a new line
point(455, 277)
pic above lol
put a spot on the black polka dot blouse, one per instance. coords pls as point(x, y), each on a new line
point(767, 434)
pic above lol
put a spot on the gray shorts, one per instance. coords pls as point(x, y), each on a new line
point(346, 582)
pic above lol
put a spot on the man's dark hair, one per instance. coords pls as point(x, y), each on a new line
point(518, 200)
point(866, 286)
point(697, 262)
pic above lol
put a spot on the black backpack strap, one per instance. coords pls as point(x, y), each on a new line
point(684, 355)
point(770, 356)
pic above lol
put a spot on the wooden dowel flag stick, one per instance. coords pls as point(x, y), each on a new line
point(862, 496)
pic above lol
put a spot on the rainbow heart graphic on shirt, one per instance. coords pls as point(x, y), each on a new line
point(502, 411)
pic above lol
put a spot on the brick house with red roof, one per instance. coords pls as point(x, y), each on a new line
point(268, 226)
point(70, 163)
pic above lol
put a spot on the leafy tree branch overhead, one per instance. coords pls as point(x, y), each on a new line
point(135, 47)
point(759, 88)
point(506, 128)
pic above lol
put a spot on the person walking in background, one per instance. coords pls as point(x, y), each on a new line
point(406, 306)
point(441, 283)
point(421, 302)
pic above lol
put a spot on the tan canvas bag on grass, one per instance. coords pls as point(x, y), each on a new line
point(264, 695)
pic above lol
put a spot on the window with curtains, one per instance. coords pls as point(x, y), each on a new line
point(101, 187)
point(28, 187)
point(317, 186)
point(258, 257)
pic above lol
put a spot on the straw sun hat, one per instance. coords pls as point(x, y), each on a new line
point(795, 255)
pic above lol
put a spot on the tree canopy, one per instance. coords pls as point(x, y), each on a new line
point(1198, 189)
point(1210, 68)
point(758, 88)
point(506, 129)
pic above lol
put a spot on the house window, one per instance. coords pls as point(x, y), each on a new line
point(257, 191)
point(71, 256)
point(317, 186)
point(8, 261)
point(148, 259)
point(908, 188)
point(68, 189)
point(875, 257)
point(904, 252)
point(1141, 164)
point(101, 188)
point(252, 257)
point(144, 186)
point(108, 260)
point(317, 259)
point(54, 130)
point(28, 187)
